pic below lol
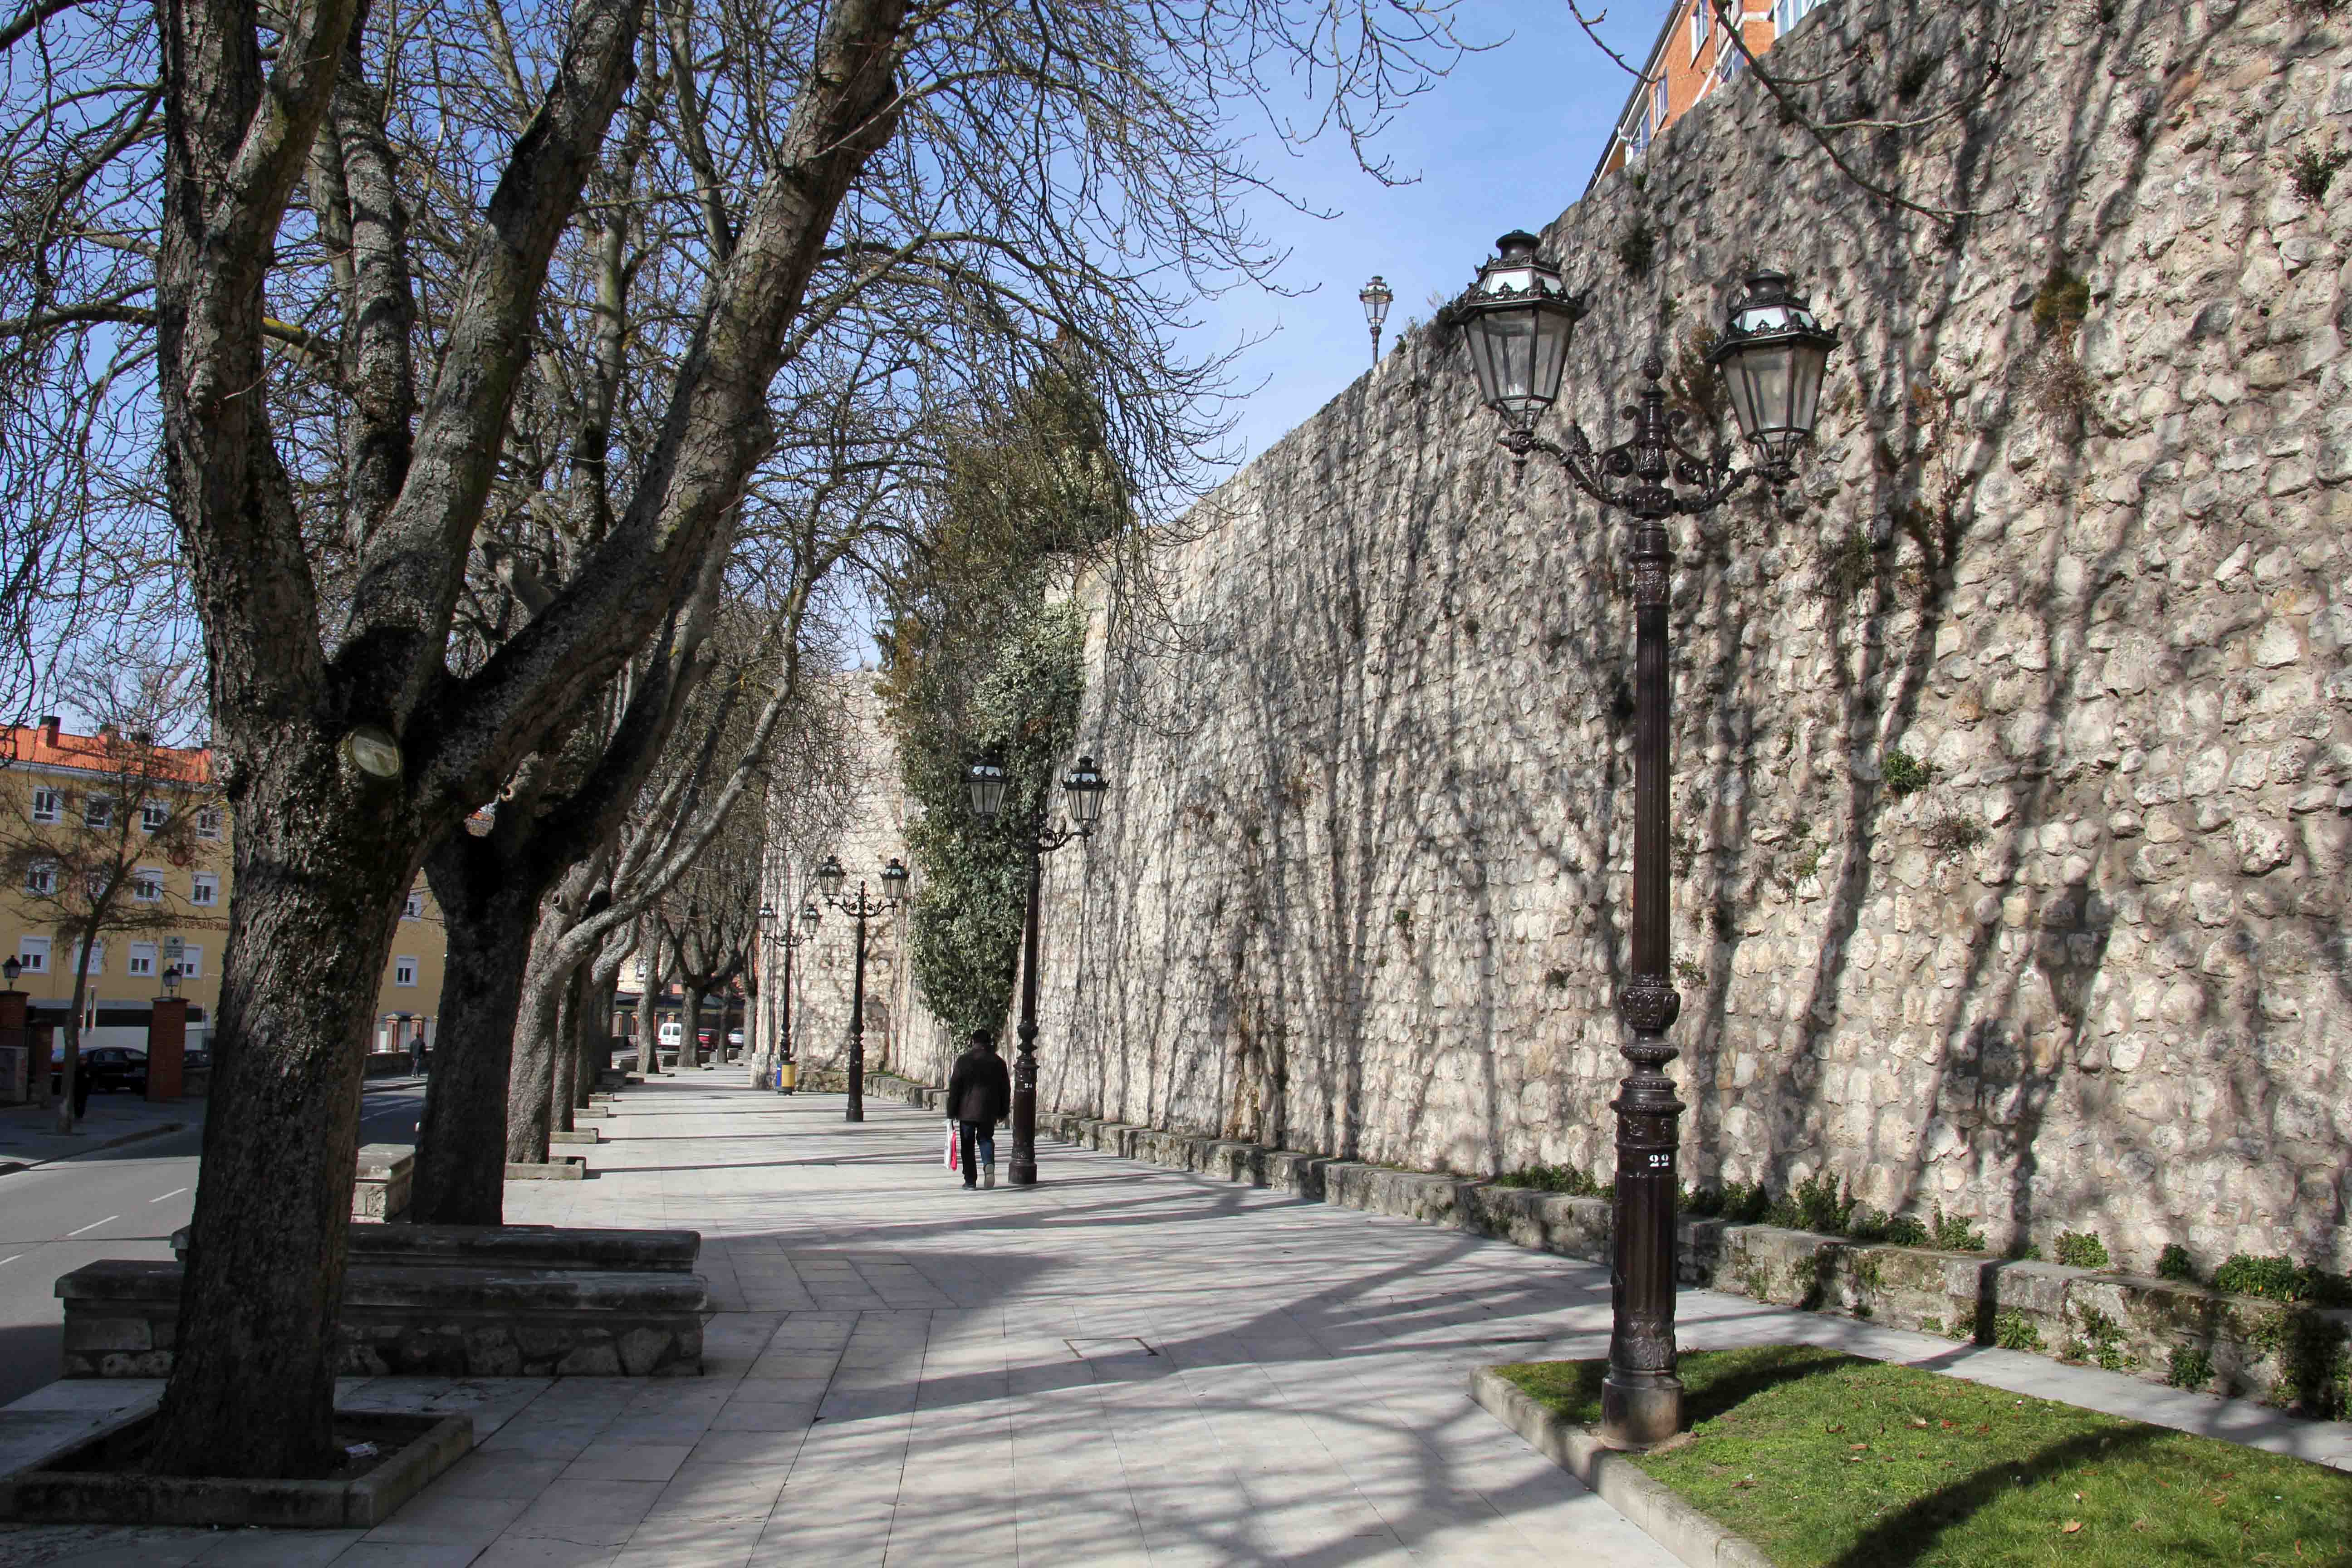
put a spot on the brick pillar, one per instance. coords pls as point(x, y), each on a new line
point(167, 1047)
point(16, 1064)
point(41, 1036)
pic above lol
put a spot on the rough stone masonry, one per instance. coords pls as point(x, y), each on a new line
point(2014, 789)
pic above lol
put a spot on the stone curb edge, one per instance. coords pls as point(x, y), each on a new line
point(10, 1167)
point(1690, 1534)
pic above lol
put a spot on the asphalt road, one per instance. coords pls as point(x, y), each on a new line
point(113, 1202)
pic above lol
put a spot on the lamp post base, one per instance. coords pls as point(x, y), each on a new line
point(1640, 1409)
point(1020, 1174)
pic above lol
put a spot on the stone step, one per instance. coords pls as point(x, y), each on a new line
point(564, 1168)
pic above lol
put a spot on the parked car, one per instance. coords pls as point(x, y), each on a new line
point(735, 1038)
point(108, 1068)
point(670, 1033)
point(197, 1058)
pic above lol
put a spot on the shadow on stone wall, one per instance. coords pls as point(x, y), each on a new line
point(2072, 543)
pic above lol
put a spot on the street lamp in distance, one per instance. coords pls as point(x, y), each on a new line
point(1083, 787)
point(1375, 299)
point(831, 881)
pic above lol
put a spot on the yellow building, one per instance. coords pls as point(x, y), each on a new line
point(57, 804)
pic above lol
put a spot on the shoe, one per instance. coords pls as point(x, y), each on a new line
point(969, 1187)
point(988, 1175)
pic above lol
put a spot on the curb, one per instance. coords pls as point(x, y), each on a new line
point(10, 1167)
point(1694, 1537)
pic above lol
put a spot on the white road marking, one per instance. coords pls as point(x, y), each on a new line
point(174, 1193)
point(11, 1258)
point(93, 1225)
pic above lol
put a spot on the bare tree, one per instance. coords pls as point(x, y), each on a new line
point(372, 302)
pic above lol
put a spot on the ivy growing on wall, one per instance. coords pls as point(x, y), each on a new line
point(985, 653)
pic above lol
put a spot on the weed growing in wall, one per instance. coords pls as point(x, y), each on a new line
point(2190, 1367)
point(1904, 773)
point(2081, 1249)
point(1954, 834)
point(2174, 1263)
point(2314, 171)
point(1636, 248)
point(2016, 1331)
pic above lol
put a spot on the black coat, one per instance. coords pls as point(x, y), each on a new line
point(979, 1089)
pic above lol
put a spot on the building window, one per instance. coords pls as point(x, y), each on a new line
point(192, 961)
point(32, 952)
point(1699, 15)
point(205, 889)
point(403, 971)
point(93, 958)
point(414, 909)
point(147, 885)
point(153, 817)
point(143, 957)
point(41, 878)
point(1787, 14)
point(1658, 111)
point(49, 805)
point(97, 811)
point(208, 822)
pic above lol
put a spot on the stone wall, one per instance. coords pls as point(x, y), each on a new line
point(1361, 886)
point(1362, 880)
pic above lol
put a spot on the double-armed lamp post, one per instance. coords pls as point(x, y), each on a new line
point(985, 783)
point(1518, 318)
point(831, 878)
point(787, 1071)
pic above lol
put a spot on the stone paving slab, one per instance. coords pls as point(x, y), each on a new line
point(1124, 1364)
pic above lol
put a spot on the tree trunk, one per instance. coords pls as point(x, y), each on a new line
point(648, 1019)
point(71, 1055)
point(564, 1055)
point(491, 913)
point(324, 859)
point(689, 1034)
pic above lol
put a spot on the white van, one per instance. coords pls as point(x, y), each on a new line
point(670, 1033)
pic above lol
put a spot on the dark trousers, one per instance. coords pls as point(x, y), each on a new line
point(982, 1133)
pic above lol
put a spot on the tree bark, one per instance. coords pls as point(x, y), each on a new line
point(689, 1035)
point(491, 913)
point(265, 1276)
point(564, 1054)
point(648, 1020)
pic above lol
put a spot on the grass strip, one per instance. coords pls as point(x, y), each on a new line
point(1827, 1461)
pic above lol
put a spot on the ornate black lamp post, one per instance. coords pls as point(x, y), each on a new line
point(1375, 299)
point(984, 781)
point(831, 878)
point(787, 1070)
point(1518, 318)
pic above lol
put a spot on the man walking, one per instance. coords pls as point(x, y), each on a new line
point(979, 1095)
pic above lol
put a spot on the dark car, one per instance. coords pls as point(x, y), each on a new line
point(197, 1058)
point(108, 1068)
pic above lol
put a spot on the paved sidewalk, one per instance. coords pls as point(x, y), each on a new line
point(1123, 1365)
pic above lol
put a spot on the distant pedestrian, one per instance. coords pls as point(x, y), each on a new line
point(979, 1095)
point(416, 1053)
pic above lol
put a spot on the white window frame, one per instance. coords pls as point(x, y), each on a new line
point(404, 970)
point(141, 960)
point(154, 815)
point(414, 910)
point(97, 811)
point(1699, 17)
point(32, 952)
point(41, 878)
point(147, 886)
point(1662, 106)
point(203, 889)
point(94, 957)
point(208, 822)
point(48, 804)
point(192, 961)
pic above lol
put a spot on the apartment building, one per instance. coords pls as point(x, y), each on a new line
point(1694, 54)
point(59, 805)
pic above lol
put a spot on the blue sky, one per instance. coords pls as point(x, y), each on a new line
point(1545, 93)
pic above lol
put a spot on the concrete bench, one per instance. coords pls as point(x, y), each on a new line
point(380, 1190)
point(511, 1246)
point(123, 1321)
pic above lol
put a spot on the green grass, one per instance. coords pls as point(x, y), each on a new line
point(1826, 1461)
